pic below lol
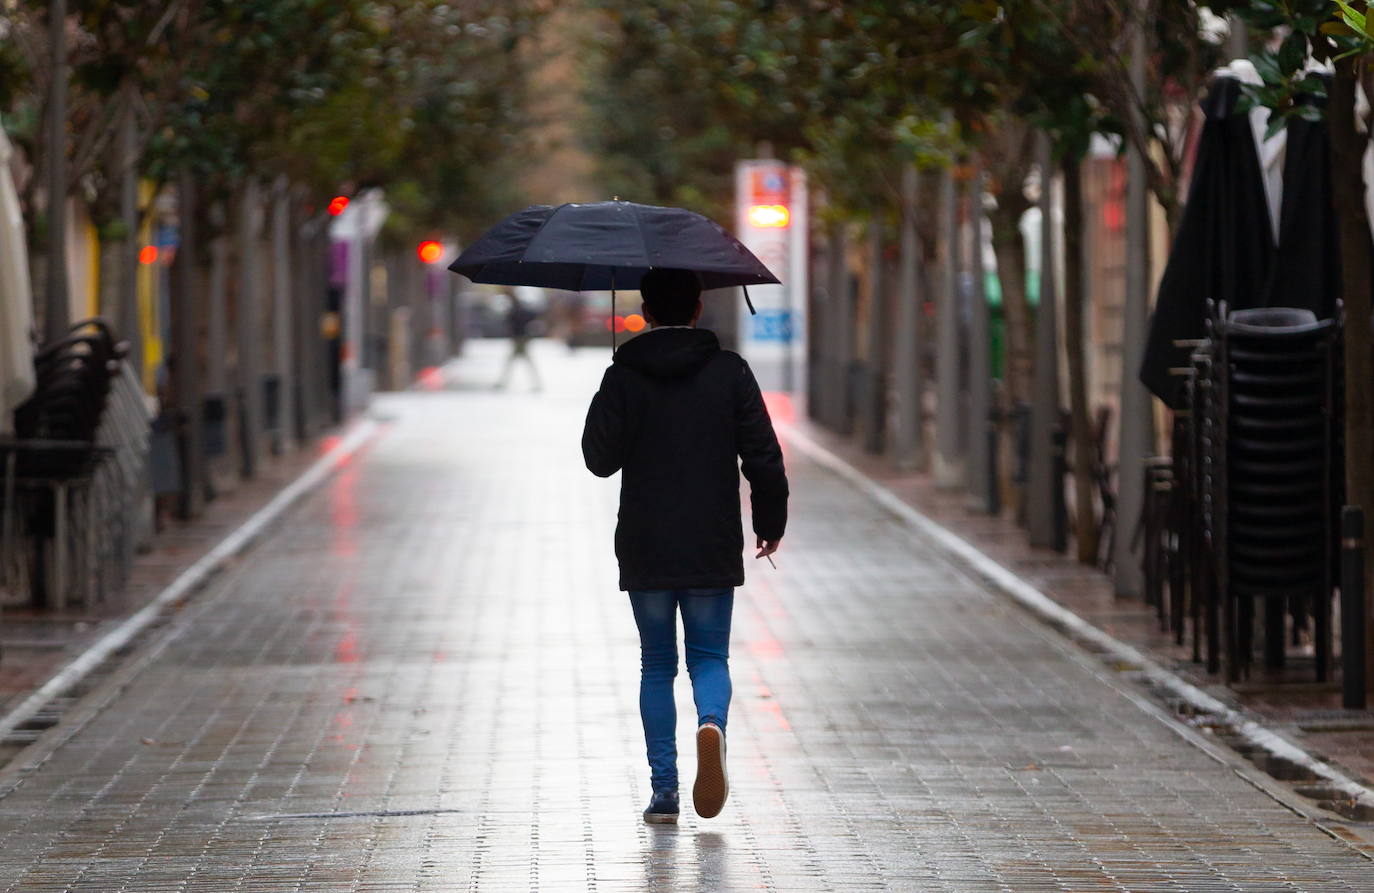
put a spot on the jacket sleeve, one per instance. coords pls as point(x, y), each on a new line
point(760, 458)
point(603, 437)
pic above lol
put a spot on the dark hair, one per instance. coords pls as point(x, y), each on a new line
point(670, 295)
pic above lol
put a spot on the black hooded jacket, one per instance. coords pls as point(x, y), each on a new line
point(680, 418)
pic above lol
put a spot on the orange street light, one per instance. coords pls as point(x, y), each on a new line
point(769, 216)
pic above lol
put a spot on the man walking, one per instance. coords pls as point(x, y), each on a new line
point(519, 320)
point(680, 418)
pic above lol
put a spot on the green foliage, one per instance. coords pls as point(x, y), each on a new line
point(15, 77)
point(1355, 20)
point(1320, 28)
point(856, 89)
point(423, 96)
point(677, 90)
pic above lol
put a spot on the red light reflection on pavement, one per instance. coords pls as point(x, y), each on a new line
point(774, 709)
point(780, 406)
point(431, 379)
point(343, 513)
point(769, 705)
point(346, 652)
point(764, 647)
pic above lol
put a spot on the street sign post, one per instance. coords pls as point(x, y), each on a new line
point(771, 221)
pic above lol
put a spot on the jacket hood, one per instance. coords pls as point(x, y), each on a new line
point(669, 352)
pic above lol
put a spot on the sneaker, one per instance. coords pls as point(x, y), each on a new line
point(712, 786)
point(662, 808)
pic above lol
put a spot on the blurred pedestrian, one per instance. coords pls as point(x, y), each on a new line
point(680, 418)
point(576, 307)
point(519, 320)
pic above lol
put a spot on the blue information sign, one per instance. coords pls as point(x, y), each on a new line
point(772, 325)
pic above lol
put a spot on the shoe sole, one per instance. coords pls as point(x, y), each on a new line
point(712, 787)
point(661, 819)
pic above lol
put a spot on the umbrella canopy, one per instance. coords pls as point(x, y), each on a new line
point(607, 245)
point(16, 320)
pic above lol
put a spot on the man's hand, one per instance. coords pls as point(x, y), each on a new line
point(768, 547)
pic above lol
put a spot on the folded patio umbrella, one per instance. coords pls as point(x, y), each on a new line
point(16, 302)
point(1224, 248)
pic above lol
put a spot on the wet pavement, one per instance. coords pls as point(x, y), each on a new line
point(424, 678)
point(1286, 700)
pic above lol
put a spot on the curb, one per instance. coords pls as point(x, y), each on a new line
point(192, 578)
point(1242, 726)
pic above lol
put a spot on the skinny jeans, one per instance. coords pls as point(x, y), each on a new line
point(706, 631)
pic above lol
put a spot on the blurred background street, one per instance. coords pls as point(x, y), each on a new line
point(1061, 307)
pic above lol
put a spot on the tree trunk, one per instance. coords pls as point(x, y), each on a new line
point(309, 362)
point(283, 300)
point(841, 317)
point(1044, 485)
point(57, 307)
point(129, 322)
point(1075, 306)
point(871, 415)
point(109, 301)
point(982, 461)
point(1010, 249)
point(217, 376)
point(1136, 423)
point(221, 471)
point(186, 338)
point(949, 460)
point(908, 446)
point(1347, 158)
point(249, 320)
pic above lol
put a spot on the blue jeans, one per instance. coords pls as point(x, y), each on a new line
point(706, 628)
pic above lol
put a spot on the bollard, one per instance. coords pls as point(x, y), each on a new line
point(1060, 472)
point(994, 444)
point(1352, 607)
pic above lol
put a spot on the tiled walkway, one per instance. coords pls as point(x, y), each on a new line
point(425, 679)
point(1286, 700)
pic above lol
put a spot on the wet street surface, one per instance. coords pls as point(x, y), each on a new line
point(424, 678)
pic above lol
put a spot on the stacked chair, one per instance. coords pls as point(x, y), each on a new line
point(1278, 481)
point(1241, 520)
point(52, 461)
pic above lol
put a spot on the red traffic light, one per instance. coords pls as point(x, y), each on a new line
point(337, 205)
point(430, 251)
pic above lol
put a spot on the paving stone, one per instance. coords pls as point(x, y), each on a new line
point(425, 679)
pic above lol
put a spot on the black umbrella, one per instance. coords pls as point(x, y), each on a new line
point(606, 246)
point(1224, 246)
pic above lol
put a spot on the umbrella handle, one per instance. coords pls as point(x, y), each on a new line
point(752, 311)
point(612, 319)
